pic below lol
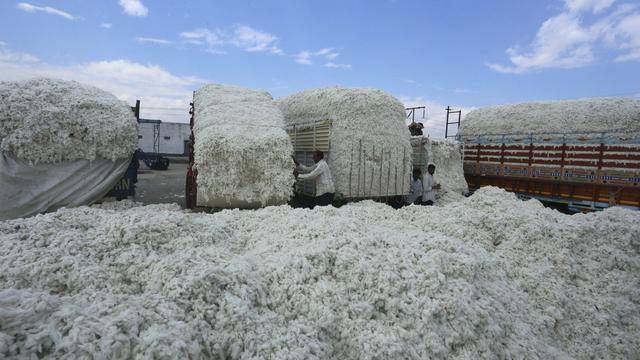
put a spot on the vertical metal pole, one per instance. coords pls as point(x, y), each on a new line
point(388, 175)
point(564, 155)
point(530, 150)
point(373, 169)
point(359, 162)
point(478, 172)
point(601, 153)
point(446, 129)
point(530, 162)
point(364, 171)
point(404, 165)
point(192, 174)
point(351, 171)
point(136, 111)
point(395, 181)
point(381, 163)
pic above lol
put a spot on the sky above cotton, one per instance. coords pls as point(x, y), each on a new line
point(462, 53)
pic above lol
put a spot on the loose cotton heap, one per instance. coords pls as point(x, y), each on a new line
point(446, 155)
point(52, 121)
point(486, 277)
point(587, 115)
point(370, 153)
point(242, 153)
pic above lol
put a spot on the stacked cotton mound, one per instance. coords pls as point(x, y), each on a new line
point(62, 143)
point(52, 121)
point(370, 153)
point(513, 280)
point(446, 155)
point(588, 115)
point(242, 153)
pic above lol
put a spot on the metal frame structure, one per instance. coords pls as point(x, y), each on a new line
point(191, 183)
point(315, 135)
point(156, 132)
point(449, 112)
point(307, 138)
point(412, 112)
point(136, 110)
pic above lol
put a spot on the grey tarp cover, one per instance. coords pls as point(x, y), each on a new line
point(31, 189)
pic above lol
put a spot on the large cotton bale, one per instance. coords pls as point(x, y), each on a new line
point(446, 155)
point(63, 144)
point(370, 153)
point(45, 121)
point(562, 116)
point(242, 153)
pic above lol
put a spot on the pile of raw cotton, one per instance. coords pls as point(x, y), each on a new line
point(446, 155)
point(242, 153)
point(587, 115)
point(51, 121)
point(370, 153)
point(486, 277)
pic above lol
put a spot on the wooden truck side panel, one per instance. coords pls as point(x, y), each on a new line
point(599, 170)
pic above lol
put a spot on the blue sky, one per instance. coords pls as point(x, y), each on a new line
point(464, 53)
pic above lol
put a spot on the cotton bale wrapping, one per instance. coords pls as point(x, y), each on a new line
point(242, 153)
point(63, 144)
point(369, 152)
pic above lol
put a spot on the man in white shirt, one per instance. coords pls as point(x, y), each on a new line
point(321, 174)
point(415, 196)
point(429, 186)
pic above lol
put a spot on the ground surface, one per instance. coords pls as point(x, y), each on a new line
point(158, 187)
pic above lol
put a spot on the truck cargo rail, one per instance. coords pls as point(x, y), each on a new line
point(582, 170)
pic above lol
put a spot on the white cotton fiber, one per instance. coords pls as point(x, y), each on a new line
point(446, 155)
point(52, 121)
point(242, 153)
point(370, 153)
point(560, 116)
point(489, 276)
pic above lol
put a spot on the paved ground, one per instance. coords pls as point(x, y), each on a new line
point(162, 186)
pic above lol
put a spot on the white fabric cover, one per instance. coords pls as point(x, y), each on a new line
point(28, 189)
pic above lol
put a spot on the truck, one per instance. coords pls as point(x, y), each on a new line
point(577, 171)
point(371, 172)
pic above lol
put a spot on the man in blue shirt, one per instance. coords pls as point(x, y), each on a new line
point(415, 196)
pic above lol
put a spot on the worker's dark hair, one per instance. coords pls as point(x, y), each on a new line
point(320, 154)
point(431, 166)
point(417, 171)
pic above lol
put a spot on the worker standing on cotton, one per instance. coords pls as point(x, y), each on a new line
point(429, 186)
point(321, 173)
point(415, 196)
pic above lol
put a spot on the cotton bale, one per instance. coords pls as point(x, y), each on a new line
point(370, 152)
point(242, 153)
point(45, 121)
point(62, 144)
point(619, 114)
